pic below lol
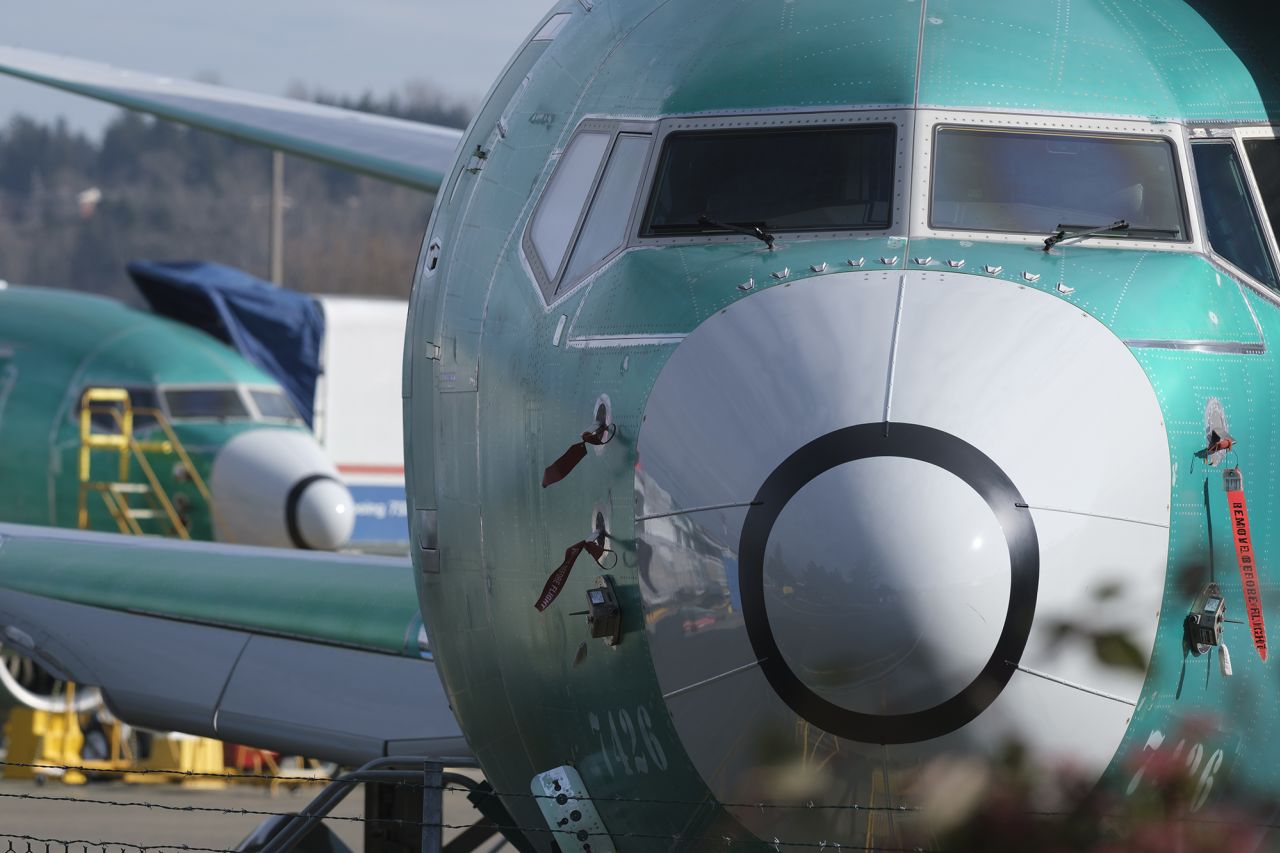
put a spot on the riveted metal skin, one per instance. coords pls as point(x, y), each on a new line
point(501, 401)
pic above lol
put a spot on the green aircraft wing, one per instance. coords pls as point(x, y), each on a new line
point(299, 651)
point(407, 152)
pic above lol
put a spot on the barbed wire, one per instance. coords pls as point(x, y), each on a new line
point(226, 810)
point(721, 841)
point(675, 838)
point(67, 843)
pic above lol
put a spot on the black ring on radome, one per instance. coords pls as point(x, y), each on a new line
point(908, 441)
point(291, 509)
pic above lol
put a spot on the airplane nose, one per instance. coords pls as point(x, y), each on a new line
point(276, 487)
point(866, 506)
point(842, 594)
point(318, 513)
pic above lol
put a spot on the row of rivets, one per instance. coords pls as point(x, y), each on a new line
point(859, 263)
point(856, 263)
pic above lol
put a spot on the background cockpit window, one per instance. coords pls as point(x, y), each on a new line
point(273, 405)
point(1036, 183)
point(105, 416)
point(212, 402)
point(1230, 218)
point(793, 179)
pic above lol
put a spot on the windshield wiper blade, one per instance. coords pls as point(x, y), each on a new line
point(1069, 232)
point(750, 230)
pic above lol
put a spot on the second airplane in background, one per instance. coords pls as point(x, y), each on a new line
point(268, 481)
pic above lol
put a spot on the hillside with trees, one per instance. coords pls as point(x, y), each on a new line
point(75, 210)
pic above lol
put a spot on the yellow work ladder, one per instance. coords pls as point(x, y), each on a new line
point(121, 495)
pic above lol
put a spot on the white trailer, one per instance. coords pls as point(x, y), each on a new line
point(358, 415)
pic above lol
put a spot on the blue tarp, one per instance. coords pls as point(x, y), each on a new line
point(278, 330)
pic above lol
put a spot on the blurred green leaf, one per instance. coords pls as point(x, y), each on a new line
point(1115, 649)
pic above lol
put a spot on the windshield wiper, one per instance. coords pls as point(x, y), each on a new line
point(756, 231)
point(1080, 232)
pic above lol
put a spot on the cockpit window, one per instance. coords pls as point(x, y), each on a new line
point(1039, 183)
point(581, 218)
point(1235, 231)
point(566, 195)
point(105, 417)
point(210, 402)
point(273, 405)
point(792, 179)
point(606, 223)
point(1264, 157)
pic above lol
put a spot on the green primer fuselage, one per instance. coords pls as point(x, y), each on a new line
point(494, 391)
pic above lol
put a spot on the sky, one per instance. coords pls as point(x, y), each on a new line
point(344, 47)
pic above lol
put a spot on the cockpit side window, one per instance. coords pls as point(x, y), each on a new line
point(1038, 183)
point(606, 225)
point(1264, 157)
point(1231, 219)
point(824, 178)
point(582, 216)
point(566, 195)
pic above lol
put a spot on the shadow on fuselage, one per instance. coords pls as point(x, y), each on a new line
point(1249, 28)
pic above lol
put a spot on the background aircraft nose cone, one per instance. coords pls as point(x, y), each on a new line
point(277, 487)
point(320, 514)
point(886, 584)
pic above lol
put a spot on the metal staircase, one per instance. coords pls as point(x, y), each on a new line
point(138, 506)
